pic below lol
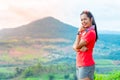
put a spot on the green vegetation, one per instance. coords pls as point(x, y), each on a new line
point(48, 72)
point(60, 72)
point(115, 75)
point(51, 59)
point(7, 72)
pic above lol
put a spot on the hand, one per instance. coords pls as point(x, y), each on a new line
point(83, 49)
point(81, 28)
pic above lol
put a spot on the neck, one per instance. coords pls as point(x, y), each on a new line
point(90, 28)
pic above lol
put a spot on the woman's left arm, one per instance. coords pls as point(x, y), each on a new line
point(81, 44)
point(77, 40)
point(78, 44)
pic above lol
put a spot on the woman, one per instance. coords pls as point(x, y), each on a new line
point(83, 45)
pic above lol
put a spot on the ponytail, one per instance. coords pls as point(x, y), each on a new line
point(89, 14)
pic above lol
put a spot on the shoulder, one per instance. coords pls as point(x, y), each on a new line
point(91, 32)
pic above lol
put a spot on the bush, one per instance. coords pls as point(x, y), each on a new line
point(115, 75)
point(27, 72)
point(51, 77)
point(66, 76)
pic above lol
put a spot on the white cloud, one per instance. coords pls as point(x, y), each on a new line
point(106, 12)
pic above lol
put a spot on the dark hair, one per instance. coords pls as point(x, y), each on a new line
point(89, 14)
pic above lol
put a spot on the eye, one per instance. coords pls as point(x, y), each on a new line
point(81, 19)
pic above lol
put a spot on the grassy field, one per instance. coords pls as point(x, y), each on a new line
point(108, 71)
point(102, 64)
point(19, 61)
point(111, 76)
point(52, 77)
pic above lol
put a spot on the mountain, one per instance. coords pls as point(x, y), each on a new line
point(43, 40)
point(48, 27)
point(109, 32)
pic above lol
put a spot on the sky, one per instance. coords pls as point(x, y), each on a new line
point(14, 13)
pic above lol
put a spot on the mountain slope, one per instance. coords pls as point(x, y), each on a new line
point(48, 27)
point(45, 40)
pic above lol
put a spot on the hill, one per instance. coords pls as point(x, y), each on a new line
point(49, 41)
point(53, 37)
point(48, 27)
point(42, 40)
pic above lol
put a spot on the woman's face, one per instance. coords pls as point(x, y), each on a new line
point(85, 21)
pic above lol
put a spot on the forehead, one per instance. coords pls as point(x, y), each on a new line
point(83, 16)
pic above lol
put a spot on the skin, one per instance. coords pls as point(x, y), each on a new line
point(85, 79)
point(86, 23)
point(80, 44)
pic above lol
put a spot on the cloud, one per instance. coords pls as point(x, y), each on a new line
point(18, 12)
point(24, 11)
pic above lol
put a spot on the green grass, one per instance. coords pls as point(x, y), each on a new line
point(103, 62)
point(7, 70)
point(115, 75)
point(111, 76)
point(47, 77)
point(33, 78)
point(7, 73)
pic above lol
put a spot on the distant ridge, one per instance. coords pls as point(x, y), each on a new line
point(109, 32)
point(47, 27)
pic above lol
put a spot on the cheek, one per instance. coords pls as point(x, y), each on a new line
point(89, 22)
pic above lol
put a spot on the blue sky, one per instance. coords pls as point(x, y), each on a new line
point(15, 13)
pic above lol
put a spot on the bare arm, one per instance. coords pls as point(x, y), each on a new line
point(77, 40)
point(79, 44)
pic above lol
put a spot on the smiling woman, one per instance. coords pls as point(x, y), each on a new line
point(83, 45)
